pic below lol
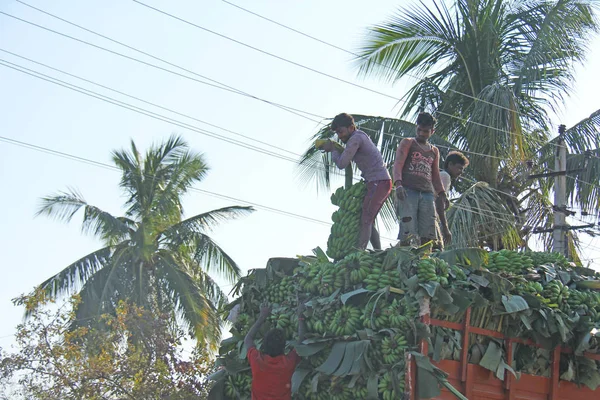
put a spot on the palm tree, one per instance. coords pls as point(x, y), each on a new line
point(492, 71)
point(151, 255)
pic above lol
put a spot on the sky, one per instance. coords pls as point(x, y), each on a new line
point(47, 115)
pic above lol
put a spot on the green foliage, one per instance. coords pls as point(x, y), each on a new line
point(152, 255)
point(137, 355)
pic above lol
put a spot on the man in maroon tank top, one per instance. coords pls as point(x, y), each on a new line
point(361, 149)
point(417, 181)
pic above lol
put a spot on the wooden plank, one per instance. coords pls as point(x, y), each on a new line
point(555, 374)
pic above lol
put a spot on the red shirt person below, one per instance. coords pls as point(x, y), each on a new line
point(272, 376)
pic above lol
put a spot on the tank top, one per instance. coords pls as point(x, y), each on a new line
point(416, 173)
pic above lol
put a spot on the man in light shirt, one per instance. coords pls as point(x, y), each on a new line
point(455, 164)
point(361, 149)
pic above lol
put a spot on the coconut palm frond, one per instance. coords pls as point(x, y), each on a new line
point(480, 217)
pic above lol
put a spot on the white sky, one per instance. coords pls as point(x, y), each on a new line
point(44, 114)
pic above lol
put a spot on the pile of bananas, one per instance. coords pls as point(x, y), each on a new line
point(346, 221)
point(556, 295)
point(533, 288)
point(346, 321)
point(378, 279)
point(328, 280)
point(540, 258)
point(458, 273)
point(392, 348)
point(307, 393)
point(307, 276)
point(281, 292)
point(376, 316)
point(285, 321)
point(357, 266)
point(585, 302)
point(509, 262)
point(400, 312)
point(243, 323)
point(433, 269)
point(238, 386)
point(339, 390)
point(386, 385)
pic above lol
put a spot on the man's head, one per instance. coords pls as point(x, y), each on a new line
point(425, 127)
point(343, 126)
point(274, 342)
point(455, 163)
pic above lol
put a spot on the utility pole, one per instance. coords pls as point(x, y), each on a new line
point(560, 195)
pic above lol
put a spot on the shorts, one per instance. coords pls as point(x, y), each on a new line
point(417, 216)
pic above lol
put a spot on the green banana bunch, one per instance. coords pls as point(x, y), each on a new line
point(339, 390)
point(578, 300)
point(458, 273)
point(328, 280)
point(400, 313)
point(530, 287)
point(284, 321)
point(371, 282)
point(243, 323)
point(282, 292)
point(238, 386)
point(308, 277)
point(346, 220)
point(542, 258)
point(356, 266)
point(376, 317)
point(392, 348)
point(433, 269)
point(386, 385)
point(346, 321)
point(556, 294)
point(509, 262)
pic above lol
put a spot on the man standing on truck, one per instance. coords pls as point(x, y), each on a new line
point(272, 369)
point(455, 164)
point(361, 149)
point(418, 183)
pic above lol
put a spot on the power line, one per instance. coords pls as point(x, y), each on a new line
point(148, 102)
point(264, 51)
point(222, 87)
point(73, 157)
point(353, 53)
point(140, 110)
point(169, 120)
point(113, 168)
point(233, 90)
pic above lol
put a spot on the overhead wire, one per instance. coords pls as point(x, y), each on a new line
point(367, 58)
point(228, 88)
point(166, 119)
point(113, 168)
point(220, 85)
point(352, 53)
point(485, 155)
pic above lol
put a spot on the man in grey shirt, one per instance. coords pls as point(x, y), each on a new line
point(361, 149)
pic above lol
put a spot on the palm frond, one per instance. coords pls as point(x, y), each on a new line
point(583, 186)
point(70, 279)
point(206, 254)
point(100, 293)
point(414, 40)
point(584, 135)
point(480, 217)
point(189, 300)
point(179, 233)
